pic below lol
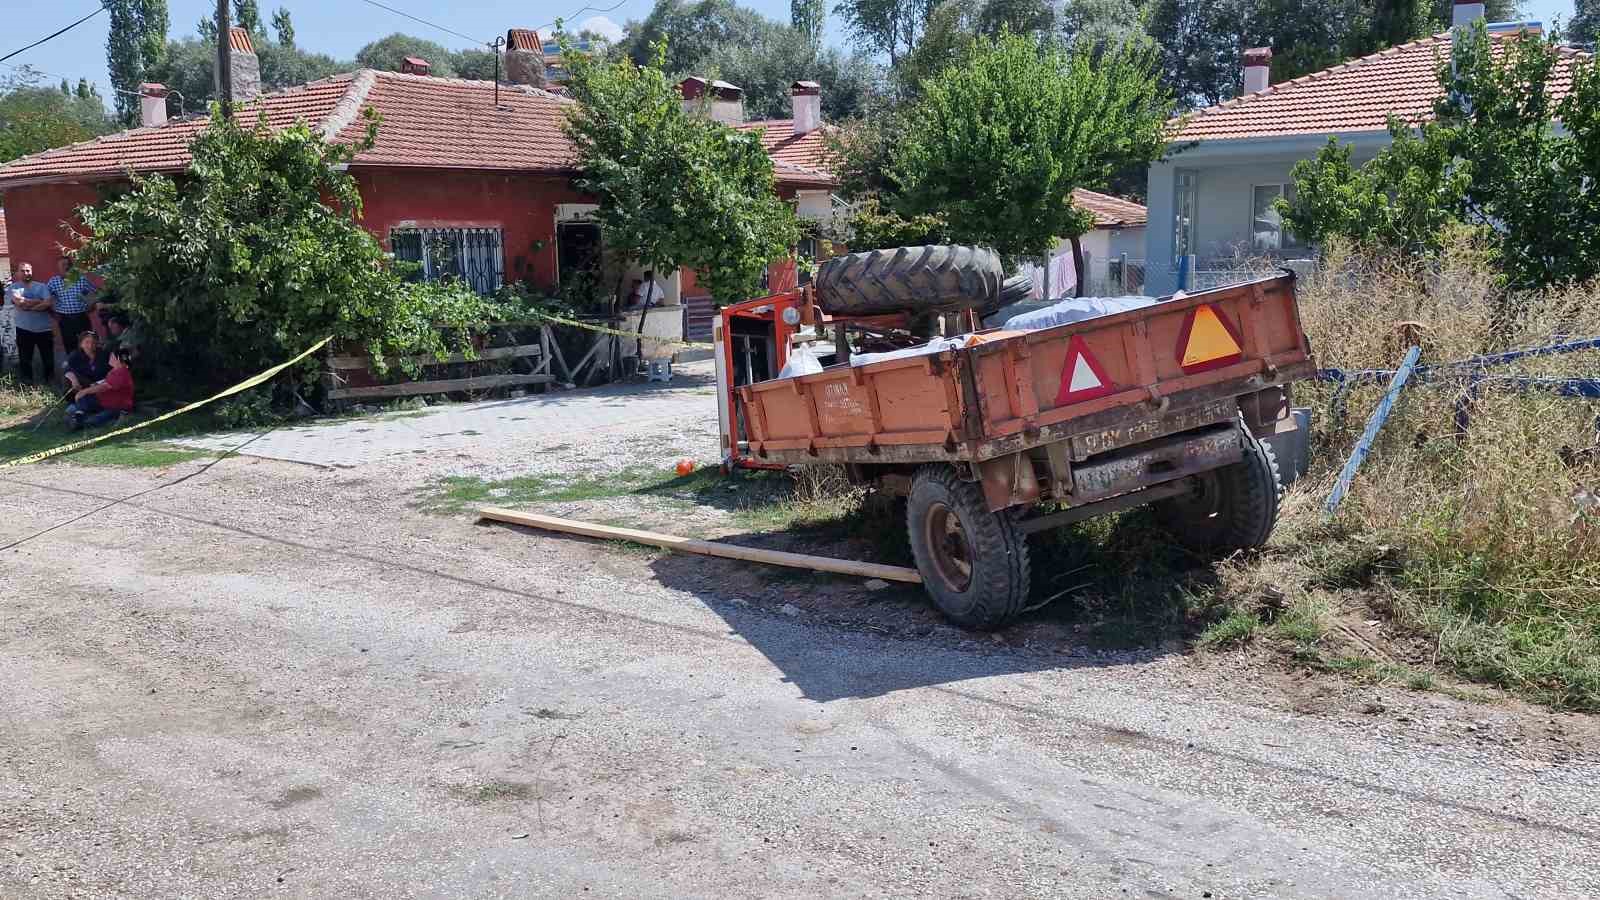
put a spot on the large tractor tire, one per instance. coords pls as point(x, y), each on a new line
point(1232, 508)
point(974, 562)
point(939, 278)
point(1013, 290)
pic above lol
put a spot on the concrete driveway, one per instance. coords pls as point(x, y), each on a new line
point(279, 680)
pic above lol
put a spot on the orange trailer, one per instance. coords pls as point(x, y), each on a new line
point(1178, 404)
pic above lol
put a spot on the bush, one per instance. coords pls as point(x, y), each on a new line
point(258, 253)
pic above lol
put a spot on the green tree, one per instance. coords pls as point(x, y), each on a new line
point(891, 27)
point(998, 145)
point(808, 18)
point(188, 65)
point(389, 53)
point(718, 38)
point(692, 31)
point(1585, 25)
point(36, 117)
point(283, 26)
point(257, 253)
point(675, 190)
point(247, 15)
point(135, 47)
point(1492, 160)
point(476, 64)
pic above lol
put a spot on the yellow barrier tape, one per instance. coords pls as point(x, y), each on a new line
point(244, 385)
point(618, 333)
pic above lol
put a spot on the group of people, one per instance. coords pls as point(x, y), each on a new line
point(95, 373)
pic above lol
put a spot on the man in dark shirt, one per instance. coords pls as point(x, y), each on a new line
point(86, 364)
point(104, 401)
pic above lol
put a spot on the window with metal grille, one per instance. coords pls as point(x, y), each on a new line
point(474, 255)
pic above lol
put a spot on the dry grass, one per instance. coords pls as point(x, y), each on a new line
point(1483, 548)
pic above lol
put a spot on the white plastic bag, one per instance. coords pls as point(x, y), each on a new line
point(801, 362)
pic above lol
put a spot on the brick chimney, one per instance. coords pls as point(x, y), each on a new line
point(1257, 69)
point(524, 57)
point(805, 97)
point(243, 66)
point(1466, 12)
point(152, 104)
point(727, 100)
point(414, 65)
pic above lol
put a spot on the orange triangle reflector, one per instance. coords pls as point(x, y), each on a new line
point(1208, 341)
point(1082, 378)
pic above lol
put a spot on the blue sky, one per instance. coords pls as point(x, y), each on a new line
point(340, 27)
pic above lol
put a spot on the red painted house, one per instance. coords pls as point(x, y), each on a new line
point(484, 167)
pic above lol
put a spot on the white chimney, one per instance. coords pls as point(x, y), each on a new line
point(727, 100)
point(152, 104)
point(1466, 12)
point(806, 100)
point(1257, 69)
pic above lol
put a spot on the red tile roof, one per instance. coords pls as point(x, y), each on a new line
point(5, 245)
point(807, 153)
point(427, 122)
point(1359, 95)
point(1109, 211)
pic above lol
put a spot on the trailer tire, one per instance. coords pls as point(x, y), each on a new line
point(1233, 508)
point(974, 562)
point(938, 277)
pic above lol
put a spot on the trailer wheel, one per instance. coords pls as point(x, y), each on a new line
point(922, 279)
point(974, 562)
point(1232, 508)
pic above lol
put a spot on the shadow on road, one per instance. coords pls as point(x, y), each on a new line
point(1121, 594)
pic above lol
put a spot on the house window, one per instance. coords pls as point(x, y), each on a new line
point(1185, 202)
point(1267, 231)
point(474, 255)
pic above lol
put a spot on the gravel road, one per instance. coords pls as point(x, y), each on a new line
point(275, 679)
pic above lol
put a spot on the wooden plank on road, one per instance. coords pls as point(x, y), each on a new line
point(704, 548)
point(404, 389)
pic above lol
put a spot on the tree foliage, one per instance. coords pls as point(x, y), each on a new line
point(257, 253)
point(189, 63)
point(891, 27)
point(389, 54)
point(135, 47)
point(675, 189)
point(1492, 160)
point(247, 15)
point(998, 145)
point(35, 117)
point(808, 18)
point(283, 27)
point(718, 38)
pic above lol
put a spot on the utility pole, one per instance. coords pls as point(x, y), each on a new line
point(224, 60)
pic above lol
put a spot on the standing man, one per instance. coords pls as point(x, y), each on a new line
point(31, 303)
point(71, 300)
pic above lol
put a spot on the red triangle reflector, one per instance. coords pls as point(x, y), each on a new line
point(1082, 378)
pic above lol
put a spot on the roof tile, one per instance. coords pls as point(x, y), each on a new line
point(1359, 95)
point(427, 122)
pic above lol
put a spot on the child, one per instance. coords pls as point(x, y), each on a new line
point(104, 401)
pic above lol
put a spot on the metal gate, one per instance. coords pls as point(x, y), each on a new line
point(475, 255)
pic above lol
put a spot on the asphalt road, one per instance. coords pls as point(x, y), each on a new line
point(278, 680)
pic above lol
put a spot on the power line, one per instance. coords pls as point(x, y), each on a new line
point(425, 22)
point(55, 35)
point(574, 15)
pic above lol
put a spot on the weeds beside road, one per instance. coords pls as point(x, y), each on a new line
point(1477, 555)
